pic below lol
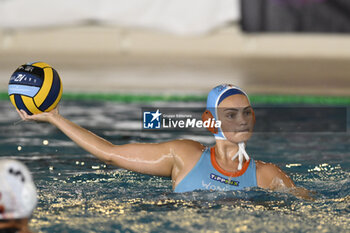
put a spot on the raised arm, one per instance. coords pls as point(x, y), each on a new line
point(148, 158)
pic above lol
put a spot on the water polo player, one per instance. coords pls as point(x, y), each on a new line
point(17, 196)
point(191, 165)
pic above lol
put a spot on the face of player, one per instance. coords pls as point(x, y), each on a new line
point(237, 118)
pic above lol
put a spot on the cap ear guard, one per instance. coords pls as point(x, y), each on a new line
point(207, 115)
point(253, 114)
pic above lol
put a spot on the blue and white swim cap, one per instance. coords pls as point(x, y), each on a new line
point(216, 96)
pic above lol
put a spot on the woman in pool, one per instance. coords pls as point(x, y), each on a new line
point(191, 165)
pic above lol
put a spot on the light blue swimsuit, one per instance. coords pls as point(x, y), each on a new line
point(207, 175)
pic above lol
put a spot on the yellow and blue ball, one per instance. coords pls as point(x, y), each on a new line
point(35, 88)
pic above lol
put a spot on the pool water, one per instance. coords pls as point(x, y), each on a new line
point(78, 193)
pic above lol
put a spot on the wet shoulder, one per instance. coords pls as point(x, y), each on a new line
point(269, 175)
point(265, 173)
point(186, 155)
point(188, 148)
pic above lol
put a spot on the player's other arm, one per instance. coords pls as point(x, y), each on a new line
point(270, 176)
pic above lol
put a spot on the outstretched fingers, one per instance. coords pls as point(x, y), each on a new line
point(22, 114)
point(25, 116)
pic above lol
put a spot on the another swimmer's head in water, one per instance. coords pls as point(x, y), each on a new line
point(18, 196)
point(231, 106)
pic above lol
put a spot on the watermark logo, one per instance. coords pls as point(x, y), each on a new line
point(268, 119)
point(175, 119)
point(152, 120)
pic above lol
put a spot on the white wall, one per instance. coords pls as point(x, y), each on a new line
point(183, 17)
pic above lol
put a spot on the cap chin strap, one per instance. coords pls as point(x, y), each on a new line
point(241, 150)
point(240, 153)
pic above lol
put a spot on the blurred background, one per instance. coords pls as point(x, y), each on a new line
point(277, 47)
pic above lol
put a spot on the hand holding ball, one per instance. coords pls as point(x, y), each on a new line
point(35, 88)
